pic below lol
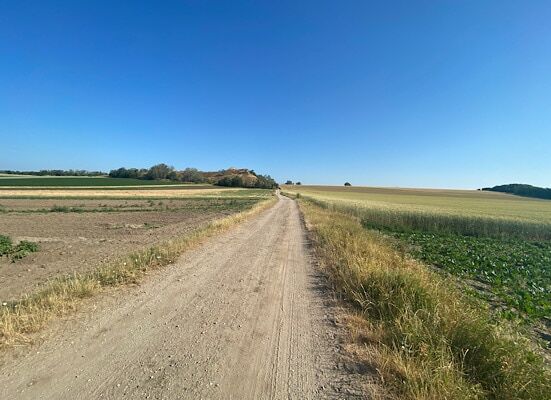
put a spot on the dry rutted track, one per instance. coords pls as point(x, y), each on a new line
point(238, 318)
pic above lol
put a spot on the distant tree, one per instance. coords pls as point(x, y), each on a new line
point(298, 183)
point(265, 182)
point(159, 171)
point(118, 173)
point(289, 182)
point(347, 184)
point(192, 175)
point(231, 181)
point(125, 173)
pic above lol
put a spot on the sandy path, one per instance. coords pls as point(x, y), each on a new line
point(241, 317)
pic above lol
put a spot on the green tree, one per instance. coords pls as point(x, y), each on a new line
point(159, 171)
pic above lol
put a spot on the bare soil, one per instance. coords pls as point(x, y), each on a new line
point(173, 192)
point(244, 316)
point(73, 242)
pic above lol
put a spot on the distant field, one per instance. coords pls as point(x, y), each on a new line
point(462, 202)
point(18, 180)
point(112, 188)
point(157, 192)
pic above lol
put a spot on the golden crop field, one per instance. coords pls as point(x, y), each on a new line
point(460, 202)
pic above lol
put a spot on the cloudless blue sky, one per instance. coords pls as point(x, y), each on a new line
point(386, 93)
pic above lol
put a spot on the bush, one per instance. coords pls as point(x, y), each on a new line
point(22, 249)
point(56, 208)
point(347, 184)
point(5, 245)
point(18, 251)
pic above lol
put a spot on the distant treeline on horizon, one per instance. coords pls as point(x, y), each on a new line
point(231, 177)
point(524, 190)
point(55, 172)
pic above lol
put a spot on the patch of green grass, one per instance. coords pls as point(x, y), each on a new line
point(18, 251)
point(518, 272)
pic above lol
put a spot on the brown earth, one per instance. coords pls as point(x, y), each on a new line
point(244, 316)
point(78, 242)
point(127, 192)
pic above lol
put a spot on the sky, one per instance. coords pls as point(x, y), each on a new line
point(447, 94)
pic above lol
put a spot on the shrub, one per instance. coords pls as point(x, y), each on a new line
point(22, 249)
point(56, 208)
point(18, 251)
point(5, 245)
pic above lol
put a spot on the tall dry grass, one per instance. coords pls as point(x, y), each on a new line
point(427, 340)
point(20, 319)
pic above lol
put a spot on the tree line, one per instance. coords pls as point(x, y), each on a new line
point(230, 177)
point(55, 172)
point(522, 190)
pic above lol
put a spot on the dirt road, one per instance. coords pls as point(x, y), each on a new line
point(241, 317)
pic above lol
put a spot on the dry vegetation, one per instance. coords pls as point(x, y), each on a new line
point(167, 192)
point(426, 339)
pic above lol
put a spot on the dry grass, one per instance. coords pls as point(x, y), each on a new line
point(128, 193)
point(426, 340)
point(20, 319)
